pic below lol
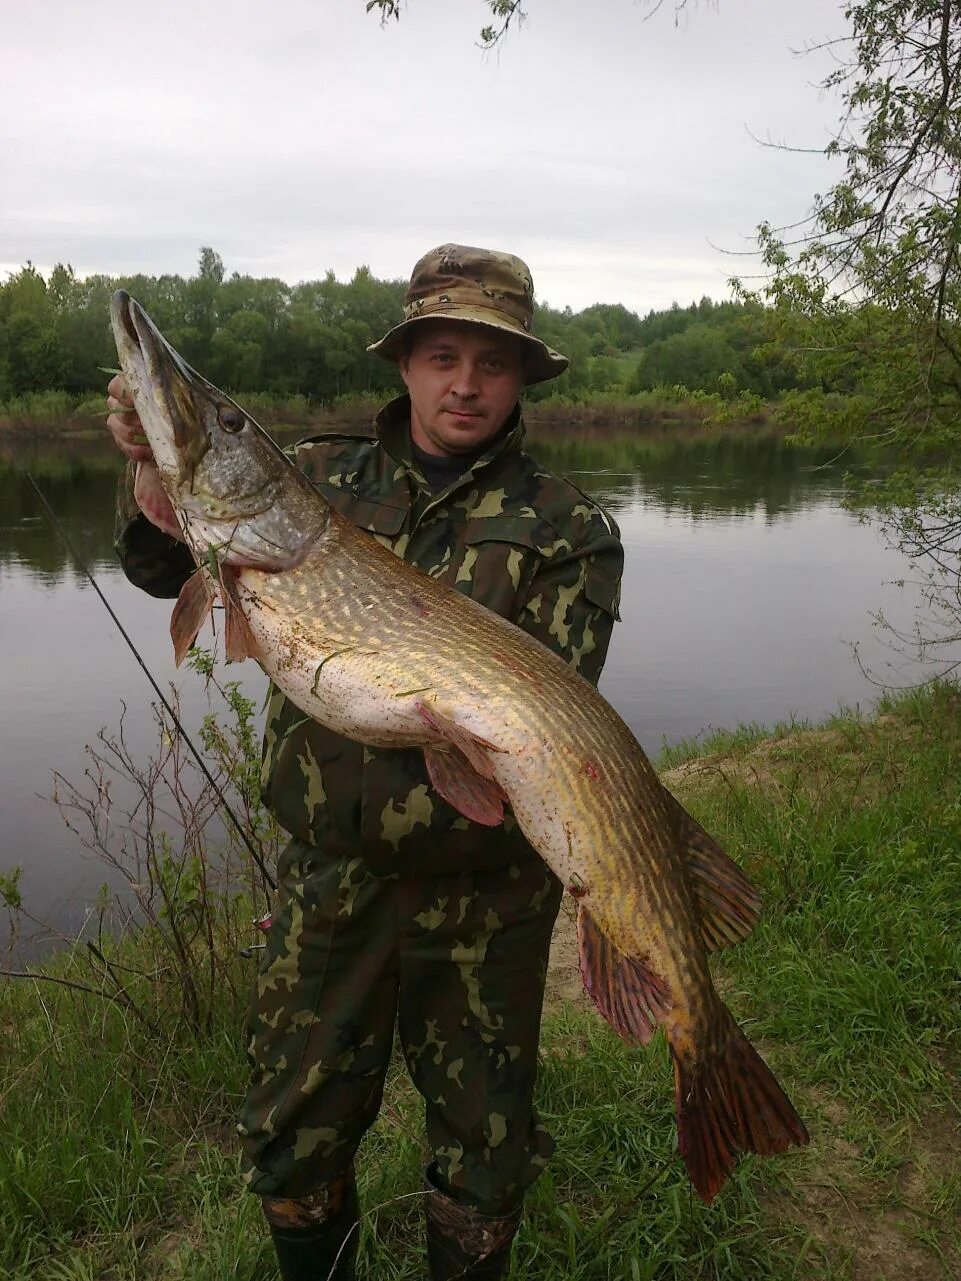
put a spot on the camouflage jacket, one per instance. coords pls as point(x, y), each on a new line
point(523, 542)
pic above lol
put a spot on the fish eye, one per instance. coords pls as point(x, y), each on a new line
point(231, 418)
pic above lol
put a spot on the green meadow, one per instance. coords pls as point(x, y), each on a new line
point(118, 1158)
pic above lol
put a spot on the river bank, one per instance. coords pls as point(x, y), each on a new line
point(119, 1158)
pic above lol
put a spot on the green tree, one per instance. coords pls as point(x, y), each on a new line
point(311, 339)
point(237, 352)
point(868, 294)
point(621, 327)
point(697, 357)
point(201, 297)
point(29, 354)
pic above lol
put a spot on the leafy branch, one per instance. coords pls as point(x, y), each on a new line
point(503, 12)
point(867, 289)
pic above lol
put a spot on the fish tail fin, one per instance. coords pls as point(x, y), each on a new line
point(729, 1102)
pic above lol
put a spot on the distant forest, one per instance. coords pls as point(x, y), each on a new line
point(264, 335)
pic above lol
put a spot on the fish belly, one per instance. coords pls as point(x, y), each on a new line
point(337, 680)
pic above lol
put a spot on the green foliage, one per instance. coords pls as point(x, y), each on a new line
point(10, 894)
point(305, 341)
point(288, 349)
point(867, 296)
point(230, 737)
point(715, 347)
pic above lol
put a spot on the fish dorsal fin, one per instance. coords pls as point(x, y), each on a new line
point(239, 640)
point(453, 776)
point(627, 992)
point(727, 902)
point(461, 770)
point(193, 605)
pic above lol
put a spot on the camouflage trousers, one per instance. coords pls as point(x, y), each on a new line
point(458, 963)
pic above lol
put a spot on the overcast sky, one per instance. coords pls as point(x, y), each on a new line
point(612, 151)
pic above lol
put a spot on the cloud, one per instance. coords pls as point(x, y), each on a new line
point(611, 151)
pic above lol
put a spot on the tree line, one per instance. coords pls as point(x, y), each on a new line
point(262, 334)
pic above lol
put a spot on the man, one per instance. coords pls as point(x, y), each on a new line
point(392, 907)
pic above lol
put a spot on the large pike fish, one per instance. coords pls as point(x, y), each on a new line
point(385, 655)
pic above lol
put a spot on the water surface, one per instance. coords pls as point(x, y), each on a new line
point(746, 587)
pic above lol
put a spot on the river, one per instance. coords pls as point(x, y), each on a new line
point(746, 587)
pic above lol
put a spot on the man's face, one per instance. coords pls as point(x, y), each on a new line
point(464, 381)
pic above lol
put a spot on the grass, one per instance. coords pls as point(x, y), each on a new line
point(118, 1156)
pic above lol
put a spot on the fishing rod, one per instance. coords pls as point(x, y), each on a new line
point(218, 792)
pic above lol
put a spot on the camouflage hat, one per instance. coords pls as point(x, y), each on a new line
point(480, 287)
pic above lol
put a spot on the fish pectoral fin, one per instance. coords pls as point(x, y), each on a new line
point(193, 605)
point(728, 905)
point(454, 777)
point(630, 996)
point(476, 749)
point(239, 640)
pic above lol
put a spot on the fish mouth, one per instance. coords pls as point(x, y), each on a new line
point(121, 305)
point(165, 389)
point(129, 347)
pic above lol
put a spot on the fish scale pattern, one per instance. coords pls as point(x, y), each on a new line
point(580, 787)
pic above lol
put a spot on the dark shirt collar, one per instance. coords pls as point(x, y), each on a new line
point(441, 470)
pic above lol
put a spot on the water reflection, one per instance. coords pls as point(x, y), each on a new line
point(702, 474)
point(80, 487)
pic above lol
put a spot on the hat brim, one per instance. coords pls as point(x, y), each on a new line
point(540, 361)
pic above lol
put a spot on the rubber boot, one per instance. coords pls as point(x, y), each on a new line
point(316, 1236)
point(464, 1245)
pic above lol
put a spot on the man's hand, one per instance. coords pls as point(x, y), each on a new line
point(128, 434)
point(123, 423)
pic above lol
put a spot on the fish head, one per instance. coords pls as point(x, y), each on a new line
point(234, 491)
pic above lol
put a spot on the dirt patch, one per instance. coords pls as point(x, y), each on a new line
point(880, 1242)
point(756, 764)
point(563, 972)
point(805, 761)
point(886, 1226)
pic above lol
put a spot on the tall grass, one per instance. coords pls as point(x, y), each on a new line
point(54, 411)
point(661, 406)
point(39, 407)
point(118, 1154)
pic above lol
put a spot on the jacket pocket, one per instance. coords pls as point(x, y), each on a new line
point(501, 555)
